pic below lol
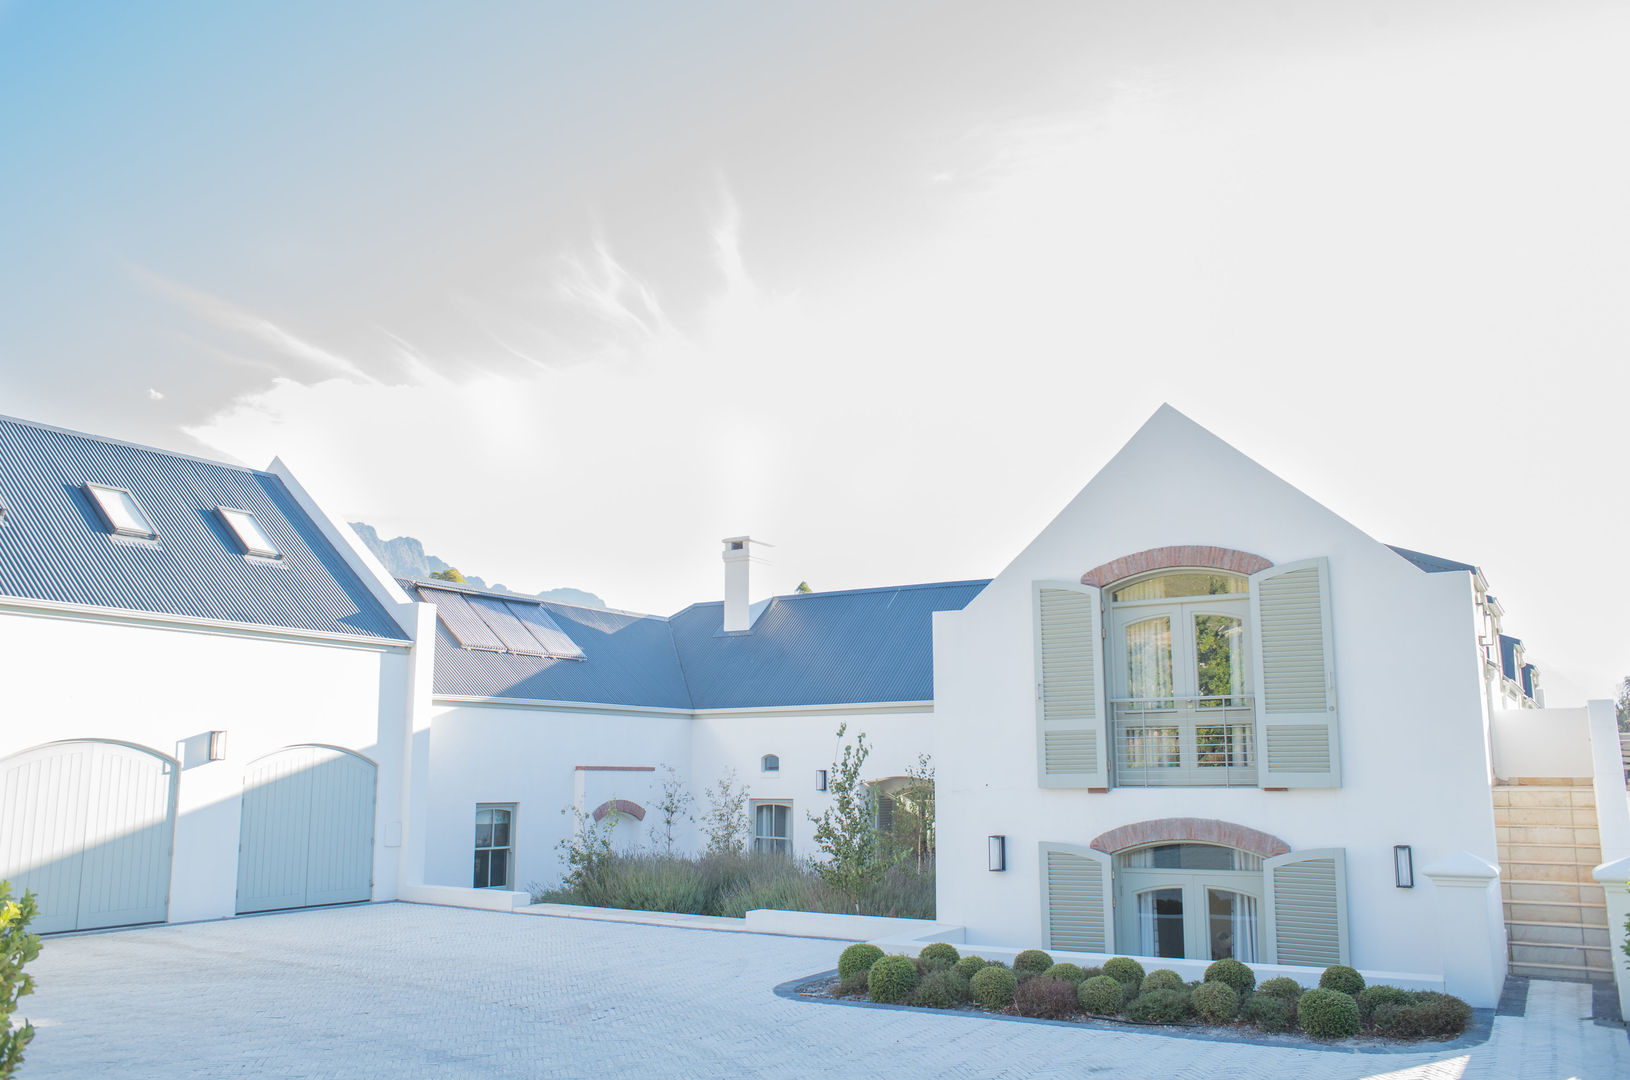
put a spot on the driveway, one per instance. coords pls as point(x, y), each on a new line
point(400, 991)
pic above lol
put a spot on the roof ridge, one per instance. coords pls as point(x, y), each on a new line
point(111, 441)
point(851, 592)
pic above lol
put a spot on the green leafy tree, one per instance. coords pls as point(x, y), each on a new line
point(673, 806)
point(17, 947)
point(846, 832)
point(910, 832)
point(803, 586)
point(1624, 704)
point(587, 849)
point(449, 574)
point(726, 822)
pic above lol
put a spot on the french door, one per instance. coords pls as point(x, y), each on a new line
point(1195, 915)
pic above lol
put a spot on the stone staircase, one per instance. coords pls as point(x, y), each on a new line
point(1555, 914)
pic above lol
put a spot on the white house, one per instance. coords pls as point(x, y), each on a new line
point(1201, 716)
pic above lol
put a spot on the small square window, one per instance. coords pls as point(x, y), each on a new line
point(124, 516)
point(494, 846)
point(770, 763)
point(250, 536)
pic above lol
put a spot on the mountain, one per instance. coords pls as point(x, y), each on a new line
point(404, 556)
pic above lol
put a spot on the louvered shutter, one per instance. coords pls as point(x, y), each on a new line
point(1075, 905)
point(1297, 739)
point(1071, 737)
point(1306, 901)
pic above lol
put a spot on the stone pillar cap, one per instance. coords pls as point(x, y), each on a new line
point(1616, 871)
point(1461, 869)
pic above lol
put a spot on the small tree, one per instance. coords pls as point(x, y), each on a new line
point(17, 947)
point(911, 826)
point(673, 806)
point(1623, 705)
point(449, 574)
point(726, 822)
point(803, 587)
point(587, 849)
point(847, 830)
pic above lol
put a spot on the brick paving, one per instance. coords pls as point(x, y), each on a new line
point(402, 991)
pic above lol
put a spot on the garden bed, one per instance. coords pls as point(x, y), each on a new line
point(1369, 1020)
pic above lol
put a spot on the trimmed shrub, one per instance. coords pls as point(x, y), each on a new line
point(1091, 973)
point(969, 965)
point(1125, 969)
point(1158, 1007)
point(1234, 973)
point(892, 979)
point(1070, 973)
point(1162, 979)
point(1343, 978)
point(1045, 997)
point(1031, 962)
point(942, 988)
point(993, 986)
point(1327, 1014)
point(1282, 987)
point(939, 954)
point(1101, 995)
point(1216, 1002)
point(852, 984)
point(858, 958)
point(1270, 1012)
point(1372, 996)
point(1427, 1014)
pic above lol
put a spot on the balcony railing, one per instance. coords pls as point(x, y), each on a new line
point(1184, 742)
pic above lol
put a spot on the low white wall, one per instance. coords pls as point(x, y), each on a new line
point(165, 689)
point(456, 896)
point(1541, 742)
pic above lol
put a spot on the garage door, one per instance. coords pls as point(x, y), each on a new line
point(308, 830)
point(87, 826)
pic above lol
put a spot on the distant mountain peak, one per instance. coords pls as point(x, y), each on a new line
point(404, 556)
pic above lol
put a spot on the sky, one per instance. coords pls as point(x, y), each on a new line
point(570, 292)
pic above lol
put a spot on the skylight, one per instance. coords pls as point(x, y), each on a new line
point(120, 510)
point(251, 537)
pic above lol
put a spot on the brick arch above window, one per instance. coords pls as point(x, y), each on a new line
point(1190, 830)
point(1165, 558)
point(622, 806)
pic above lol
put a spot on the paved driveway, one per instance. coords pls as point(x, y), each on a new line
point(401, 991)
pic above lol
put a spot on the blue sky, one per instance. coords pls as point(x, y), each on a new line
point(571, 291)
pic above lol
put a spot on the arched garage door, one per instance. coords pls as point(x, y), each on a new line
point(308, 830)
point(88, 827)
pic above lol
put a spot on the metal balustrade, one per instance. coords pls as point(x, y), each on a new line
point(1184, 742)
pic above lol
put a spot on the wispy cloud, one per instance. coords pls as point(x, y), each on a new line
point(603, 287)
point(154, 395)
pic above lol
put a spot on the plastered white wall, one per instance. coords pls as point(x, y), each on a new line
point(1541, 742)
point(1408, 688)
point(159, 688)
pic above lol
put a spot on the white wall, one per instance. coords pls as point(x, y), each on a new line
point(159, 687)
point(1408, 686)
point(1541, 742)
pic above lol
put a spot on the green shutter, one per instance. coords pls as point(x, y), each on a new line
point(1071, 740)
point(1306, 901)
point(1298, 740)
point(1075, 904)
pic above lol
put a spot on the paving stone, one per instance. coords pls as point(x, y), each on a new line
point(400, 991)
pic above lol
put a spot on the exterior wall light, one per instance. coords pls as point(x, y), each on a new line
point(998, 853)
point(217, 746)
point(1403, 866)
point(820, 779)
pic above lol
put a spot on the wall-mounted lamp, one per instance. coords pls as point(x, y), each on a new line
point(1403, 866)
point(997, 855)
point(820, 779)
point(217, 746)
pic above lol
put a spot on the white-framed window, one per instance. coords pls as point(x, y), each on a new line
point(121, 511)
point(247, 531)
point(772, 827)
point(494, 845)
point(770, 763)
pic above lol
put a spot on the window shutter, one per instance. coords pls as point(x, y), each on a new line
point(1071, 740)
point(1306, 894)
point(1075, 906)
point(1297, 739)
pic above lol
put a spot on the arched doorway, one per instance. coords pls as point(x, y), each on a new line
point(307, 834)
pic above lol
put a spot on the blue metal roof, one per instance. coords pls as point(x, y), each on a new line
point(1528, 680)
point(55, 546)
point(862, 645)
point(1508, 655)
point(1432, 564)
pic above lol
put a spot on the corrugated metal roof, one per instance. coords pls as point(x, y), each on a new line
point(1508, 655)
point(1432, 564)
point(55, 546)
point(1528, 680)
point(806, 649)
point(819, 648)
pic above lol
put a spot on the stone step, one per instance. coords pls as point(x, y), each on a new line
point(1564, 973)
point(1552, 892)
point(1584, 914)
point(1578, 854)
point(1543, 871)
point(1575, 935)
point(1547, 834)
point(1561, 956)
point(1567, 816)
point(1557, 797)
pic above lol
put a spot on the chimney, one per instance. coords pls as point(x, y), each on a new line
point(738, 553)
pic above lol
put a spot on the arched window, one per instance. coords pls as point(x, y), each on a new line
point(1200, 901)
point(770, 763)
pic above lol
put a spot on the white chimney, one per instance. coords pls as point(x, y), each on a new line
point(738, 553)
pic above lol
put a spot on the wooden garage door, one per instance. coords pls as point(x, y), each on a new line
point(308, 830)
point(88, 827)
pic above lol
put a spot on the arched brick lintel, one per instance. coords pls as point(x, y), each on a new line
point(1193, 830)
point(622, 806)
point(1162, 558)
